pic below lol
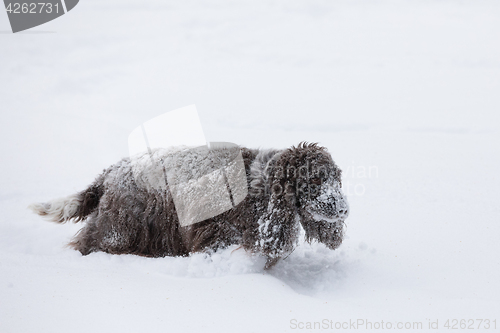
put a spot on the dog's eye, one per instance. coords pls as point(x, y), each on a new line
point(316, 181)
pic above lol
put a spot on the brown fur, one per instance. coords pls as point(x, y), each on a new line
point(290, 188)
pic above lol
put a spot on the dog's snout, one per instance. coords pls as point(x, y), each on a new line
point(342, 207)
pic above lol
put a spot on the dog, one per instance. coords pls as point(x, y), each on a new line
point(286, 190)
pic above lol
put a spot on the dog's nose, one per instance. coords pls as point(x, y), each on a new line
point(343, 209)
point(343, 214)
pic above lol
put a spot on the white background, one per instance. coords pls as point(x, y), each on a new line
point(410, 88)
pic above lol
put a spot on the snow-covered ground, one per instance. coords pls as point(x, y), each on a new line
point(405, 94)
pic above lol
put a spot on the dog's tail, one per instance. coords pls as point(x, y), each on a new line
point(77, 206)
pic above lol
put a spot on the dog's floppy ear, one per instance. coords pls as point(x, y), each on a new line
point(279, 223)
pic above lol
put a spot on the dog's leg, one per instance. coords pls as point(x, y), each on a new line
point(271, 261)
point(85, 240)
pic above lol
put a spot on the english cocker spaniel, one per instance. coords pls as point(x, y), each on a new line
point(131, 208)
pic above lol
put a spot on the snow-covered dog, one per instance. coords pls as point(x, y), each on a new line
point(287, 188)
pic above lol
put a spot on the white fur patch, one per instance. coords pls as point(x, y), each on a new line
point(58, 210)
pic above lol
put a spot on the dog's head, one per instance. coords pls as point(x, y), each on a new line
point(305, 186)
point(307, 177)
